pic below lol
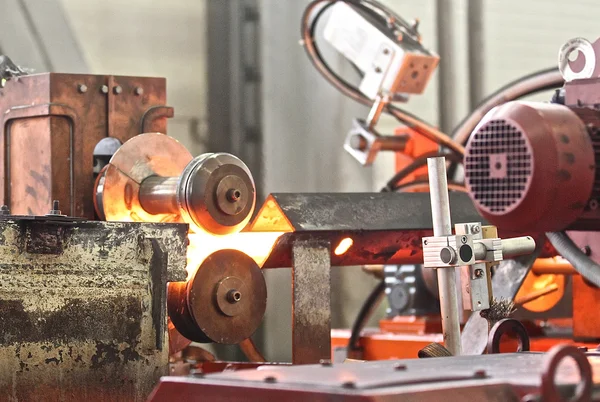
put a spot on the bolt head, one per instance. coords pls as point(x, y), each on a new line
point(82, 88)
point(478, 273)
point(117, 90)
point(139, 91)
point(104, 89)
point(475, 228)
point(464, 239)
point(270, 379)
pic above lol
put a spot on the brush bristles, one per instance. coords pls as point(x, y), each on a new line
point(499, 310)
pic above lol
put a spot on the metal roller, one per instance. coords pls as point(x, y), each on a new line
point(153, 178)
point(224, 302)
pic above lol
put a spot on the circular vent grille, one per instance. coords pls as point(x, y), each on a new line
point(498, 166)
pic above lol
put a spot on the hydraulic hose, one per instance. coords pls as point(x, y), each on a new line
point(587, 268)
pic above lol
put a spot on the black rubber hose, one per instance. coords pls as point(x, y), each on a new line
point(365, 312)
point(587, 268)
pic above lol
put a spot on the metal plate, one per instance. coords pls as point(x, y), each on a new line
point(447, 378)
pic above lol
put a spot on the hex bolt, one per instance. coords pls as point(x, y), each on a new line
point(104, 89)
point(82, 88)
point(478, 273)
point(55, 208)
point(270, 379)
point(475, 228)
point(349, 384)
point(4, 210)
point(399, 367)
point(480, 374)
point(139, 91)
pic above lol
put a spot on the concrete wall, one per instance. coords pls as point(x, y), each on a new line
point(150, 38)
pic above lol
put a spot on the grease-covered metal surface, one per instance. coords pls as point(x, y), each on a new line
point(83, 307)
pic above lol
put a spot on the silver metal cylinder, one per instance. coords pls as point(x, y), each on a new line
point(448, 291)
point(510, 248)
point(158, 195)
point(517, 246)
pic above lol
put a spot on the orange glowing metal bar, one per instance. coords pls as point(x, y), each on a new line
point(257, 245)
point(344, 246)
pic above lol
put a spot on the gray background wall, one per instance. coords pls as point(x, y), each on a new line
point(298, 120)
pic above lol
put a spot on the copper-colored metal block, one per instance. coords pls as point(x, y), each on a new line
point(50, 125)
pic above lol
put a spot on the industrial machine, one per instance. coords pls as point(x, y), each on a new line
point(122, 253)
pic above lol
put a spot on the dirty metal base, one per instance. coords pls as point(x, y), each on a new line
point(83, 307)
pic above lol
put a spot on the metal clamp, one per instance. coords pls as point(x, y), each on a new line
point(448, 251)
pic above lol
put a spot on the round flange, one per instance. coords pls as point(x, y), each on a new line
point(506, 326)
point(217, 193)
point(143, 156)
point(227, 296)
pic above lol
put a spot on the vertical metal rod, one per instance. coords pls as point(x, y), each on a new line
point(475, 52)
point(440, 213)
point(447, 68)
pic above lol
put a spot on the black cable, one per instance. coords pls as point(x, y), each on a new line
point(417, 163)
point(365, 312)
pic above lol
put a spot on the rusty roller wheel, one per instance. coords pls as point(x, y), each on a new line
point(224, 302)
point(153, 178)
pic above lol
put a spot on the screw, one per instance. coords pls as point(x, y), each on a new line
point(349, 384)
point(475, 228)
point(399, 367)
point(139, 91)
point(593, 204)
point(358, 142)
point(82, 88)
point(448, 255)
point(270, 379)
point(425, 242)
point(234, 296)
point(377, 69)
point(325, 363)
point(586, 250)
point(464, 239)
point(386, 51)
point(4, 210)
point(117, 90)
point(478, 273)
point(104, 89)
point(480, 374)
point(233, 194)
